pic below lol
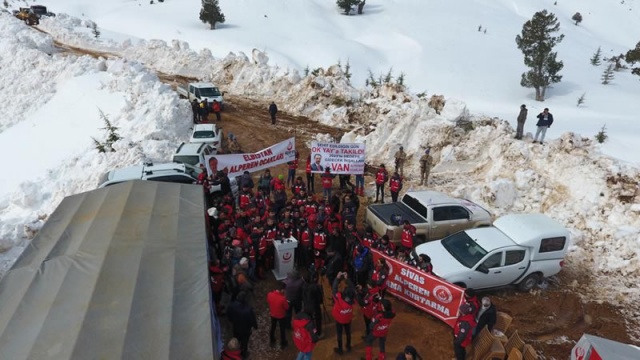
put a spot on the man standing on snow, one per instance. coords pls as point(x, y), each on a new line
point(522, 117)
point(273, 110)
point(425, 166)
point(400, 157)
point(381, 178)
point(545, 119)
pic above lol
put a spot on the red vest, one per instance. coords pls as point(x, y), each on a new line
point(380, 275)
point(381, 177)
point(245, 200)
point(370, 309)
point(308, 167)
point(297, 188)
point(301, 336)
point(305, 238)
point(231, 355)
point(394, 184)
point(470, 319)
point(369, 241)
point(319, 241)
point(327, 181)
point(407, 237)
point(293, 165)
point(216, 107)
point(381, 325)
point(342, 311)
point(262, 246)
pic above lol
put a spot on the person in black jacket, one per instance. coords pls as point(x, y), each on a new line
point(273, 110)
point(333, 264)
point(313, 298)
point(487, 316)
point(545, 119)
point(195, 107)
point(243, 319)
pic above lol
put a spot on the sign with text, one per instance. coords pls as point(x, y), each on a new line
point(236, 164)
point(340, 158)
point(426, 292)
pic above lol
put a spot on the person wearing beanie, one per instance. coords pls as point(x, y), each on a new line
point(462, 331)
point(426, 161)
point(379, 329)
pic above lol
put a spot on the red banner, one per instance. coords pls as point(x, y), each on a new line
point(426, 292)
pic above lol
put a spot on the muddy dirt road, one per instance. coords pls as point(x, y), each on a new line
point(551, 320)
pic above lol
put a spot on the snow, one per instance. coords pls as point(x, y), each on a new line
point(55, 98)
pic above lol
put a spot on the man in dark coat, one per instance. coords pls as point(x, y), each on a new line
point(487, 316)
point(273, 110)
point(545, 119)
point(333, 264)
point(195, 107)
point(313, 298)
point(522, 117)
point(243, 319)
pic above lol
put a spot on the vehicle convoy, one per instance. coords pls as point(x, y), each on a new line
point(193, 153)
point(27, 15)
point(202, 91)
point(519, 249)
point(172, 172)
point(434, 215)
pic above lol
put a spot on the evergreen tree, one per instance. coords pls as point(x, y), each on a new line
point(602, 136)
point(577, 17)
point(607, 75)
point(346, 5)
point(347, 72)
point(595, 60)
point(94, 29)
point(211, 13)
point(632, 57)
point(537, 43)
point(581, 99)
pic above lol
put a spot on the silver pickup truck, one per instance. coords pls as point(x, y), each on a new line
point(434, 215)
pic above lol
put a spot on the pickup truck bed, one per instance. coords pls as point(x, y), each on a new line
point(384, 212)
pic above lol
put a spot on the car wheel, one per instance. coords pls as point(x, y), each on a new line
point(529, 282)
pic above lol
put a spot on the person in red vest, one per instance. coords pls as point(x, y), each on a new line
point(319, 245)
point(298, 187)
point(327, 183)
point(395, 185)
point(381, 178)
point(310, 176)
point(462, 331)
point(379, 330)
point(305, 335)
point(343, 311)
point(379, 276)
point(304, 251)
point(278, 306)
point(369, 300)
point(370, 238)
point(471, 298)
point(232, 352)
point(216, 109)
point(407, 238)
point(291, 173)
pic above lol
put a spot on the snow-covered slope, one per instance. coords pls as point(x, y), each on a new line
point(436, 43)
point(568, 178)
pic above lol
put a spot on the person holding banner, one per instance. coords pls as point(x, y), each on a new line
point(310, 176)
point(407, 240)
point(381, 178)
point(327, 183)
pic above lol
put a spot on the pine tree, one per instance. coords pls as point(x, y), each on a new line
point(577, 17)
point(581, 99)
point(211, 13)
point(632, 57)
point(346, 5)
point(112, 132)
point(607, 75)
point(602, 136)
point(537, 43)
point(400, 79)
point(94, 29)
point(595, 60)
point(388, 77)
point(347, 72)
point(98, 145)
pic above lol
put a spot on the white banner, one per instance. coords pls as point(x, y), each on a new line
point(340, 158)
point(236, 164)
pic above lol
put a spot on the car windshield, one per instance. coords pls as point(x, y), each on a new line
point(187, 159)
point(203, 134)
point(209, 92)
point(192, 171)
point(40, 10)
point(464, 249)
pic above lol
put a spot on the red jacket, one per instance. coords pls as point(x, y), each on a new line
point(462, 329)
point(217, 278)
point(381, 176)
point(304, 333)
point(408, 233)
point(278, 304)
point(342, 311)
point(369, 307)
point(395, 184)
point(379, 277)
point(319, 240)
point(308, 169)
point(215, 107)
point(380, 324)
point(231, 355)
point(327, 181)
point(305, 238)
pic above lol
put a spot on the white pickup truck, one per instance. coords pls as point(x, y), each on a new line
point(434, 215)
point(517, 250)
point(202, 91)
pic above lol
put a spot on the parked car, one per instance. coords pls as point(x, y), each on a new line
point(208, 134)
point(201, 91)
point(517, 250)
point(193, 153)
point(172, 172)
point(434, 214)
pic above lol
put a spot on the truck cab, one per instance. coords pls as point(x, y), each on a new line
point(518, 250)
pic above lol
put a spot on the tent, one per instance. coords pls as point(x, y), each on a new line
point(115, 273)
point(591, 347)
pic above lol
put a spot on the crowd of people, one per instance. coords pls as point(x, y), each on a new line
point(331, 247)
